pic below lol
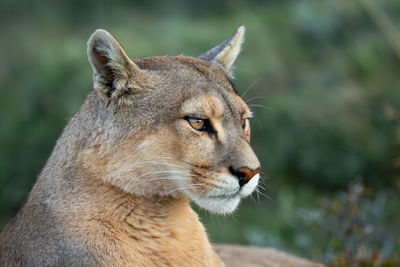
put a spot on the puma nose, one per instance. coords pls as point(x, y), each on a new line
point(244, 174)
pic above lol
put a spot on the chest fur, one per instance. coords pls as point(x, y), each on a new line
point(136, 232)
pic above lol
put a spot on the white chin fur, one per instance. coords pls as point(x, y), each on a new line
point(220, 205)
point(224, 205)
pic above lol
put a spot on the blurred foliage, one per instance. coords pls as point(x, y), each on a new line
point(360, 233)
point(323, 78)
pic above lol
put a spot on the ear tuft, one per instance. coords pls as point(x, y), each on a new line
point(114, 72)
point(226, 53)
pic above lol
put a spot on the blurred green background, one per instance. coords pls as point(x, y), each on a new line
point(323, 78)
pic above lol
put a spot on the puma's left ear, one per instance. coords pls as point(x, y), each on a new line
point(116, 77)
point(226, 53)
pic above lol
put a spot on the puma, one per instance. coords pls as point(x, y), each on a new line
point(153, 135)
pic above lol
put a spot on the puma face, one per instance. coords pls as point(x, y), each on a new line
point(214, 131)
point(179, 127)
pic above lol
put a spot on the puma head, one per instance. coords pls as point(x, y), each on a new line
point(171, 126)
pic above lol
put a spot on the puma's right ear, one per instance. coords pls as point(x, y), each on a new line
point(225, 54)
point(114, 73)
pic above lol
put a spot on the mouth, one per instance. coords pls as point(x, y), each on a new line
point(223, 200)
point(224, 197)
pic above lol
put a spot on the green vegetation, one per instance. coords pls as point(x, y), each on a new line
point(323, 78)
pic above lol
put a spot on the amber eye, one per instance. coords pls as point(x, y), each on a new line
point(196, 123)
point(244, 123)
point(203, 125)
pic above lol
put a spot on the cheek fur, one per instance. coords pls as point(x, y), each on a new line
point(198, 147)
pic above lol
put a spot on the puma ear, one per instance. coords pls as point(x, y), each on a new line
point(115, 75)
point(226, 53)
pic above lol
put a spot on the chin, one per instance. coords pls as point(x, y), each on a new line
point(219, 205)
point(224, 204)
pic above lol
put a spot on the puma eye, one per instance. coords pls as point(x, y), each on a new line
point(244, 123)
point(197, 124)
point(203, 125)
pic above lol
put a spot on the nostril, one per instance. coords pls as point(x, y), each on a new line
point(243, 174)
point(243, 179)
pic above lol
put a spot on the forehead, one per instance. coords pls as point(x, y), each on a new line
point(208, 88)
point(215, 105)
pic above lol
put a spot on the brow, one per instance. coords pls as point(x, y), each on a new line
point(235, 105)
point(203, 107)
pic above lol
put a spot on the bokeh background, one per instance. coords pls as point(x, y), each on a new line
point(323, 78)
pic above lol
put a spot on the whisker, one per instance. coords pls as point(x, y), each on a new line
point(191, 164)
point(258, 196)
point(264, 182)
point(250, 87)
point(233, 216)
point(260, 106)
point(265, 195)
point(259, 125)
point(157, 163)
point(162, 178)
point(255, 98)
point(181, 188)
point(158, 172)
point(252, 197)
point(261, 186)
point(174, 159)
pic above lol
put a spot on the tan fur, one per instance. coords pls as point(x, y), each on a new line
point(136, 230)
point(116, 188)
point(239, 256)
